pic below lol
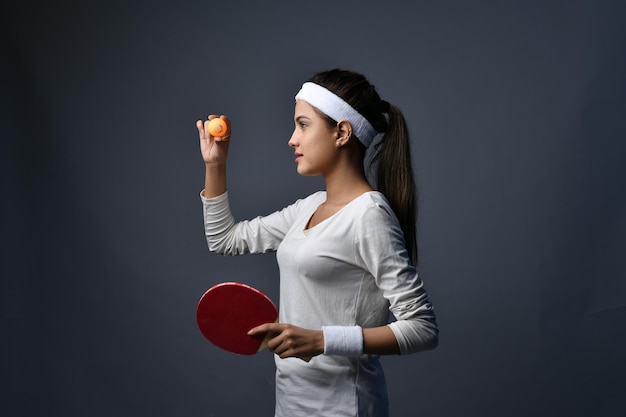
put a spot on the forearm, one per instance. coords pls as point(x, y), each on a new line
point(214, 180)
point(380, 341)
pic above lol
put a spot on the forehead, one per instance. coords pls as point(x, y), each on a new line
point(304, 109)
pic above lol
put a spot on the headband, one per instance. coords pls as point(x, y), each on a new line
point(336, 108)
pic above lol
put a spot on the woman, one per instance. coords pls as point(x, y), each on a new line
point(347, 255)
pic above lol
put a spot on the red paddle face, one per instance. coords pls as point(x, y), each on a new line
point(227, 311)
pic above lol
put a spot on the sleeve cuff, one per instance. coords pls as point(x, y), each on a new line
point(216, 199)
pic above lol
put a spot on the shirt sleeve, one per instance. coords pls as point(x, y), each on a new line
point(259, 235)
point(381, 246)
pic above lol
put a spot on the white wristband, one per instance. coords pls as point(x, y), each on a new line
point(343, 340)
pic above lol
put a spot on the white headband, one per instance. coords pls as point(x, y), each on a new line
point(334, 106)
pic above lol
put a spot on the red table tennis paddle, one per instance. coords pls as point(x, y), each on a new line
point(227, 311)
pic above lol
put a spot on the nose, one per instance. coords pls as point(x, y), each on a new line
point(293, 141)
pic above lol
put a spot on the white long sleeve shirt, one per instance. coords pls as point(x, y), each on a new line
point(351, 269)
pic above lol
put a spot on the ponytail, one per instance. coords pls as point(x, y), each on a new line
point(395, 179)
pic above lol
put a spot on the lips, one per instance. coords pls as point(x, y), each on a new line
point(298, 156)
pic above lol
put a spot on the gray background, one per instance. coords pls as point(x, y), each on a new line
point(517, 113)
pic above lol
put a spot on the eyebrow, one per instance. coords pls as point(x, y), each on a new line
point(302, 117)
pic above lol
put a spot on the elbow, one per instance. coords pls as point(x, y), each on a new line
point(219, 246)
point(430, 334)
point(416, 335)
point(432, 340)
point(215, 248)
point(225, 247)
point(428, 339)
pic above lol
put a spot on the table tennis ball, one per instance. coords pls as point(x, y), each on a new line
point(217, 127)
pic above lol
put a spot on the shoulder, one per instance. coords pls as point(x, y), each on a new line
point(375, 224)
point(317, 196)
point(374, 203)
point(312, 200)
point(371, 213)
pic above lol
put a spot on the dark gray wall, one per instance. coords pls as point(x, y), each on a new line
point(517, 111)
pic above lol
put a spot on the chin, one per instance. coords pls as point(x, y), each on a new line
point(307, 173)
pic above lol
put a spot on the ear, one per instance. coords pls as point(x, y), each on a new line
point(344, 132)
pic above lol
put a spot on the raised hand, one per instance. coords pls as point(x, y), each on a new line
point(214, 152)
point(214, 148)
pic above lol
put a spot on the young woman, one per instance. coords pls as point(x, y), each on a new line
point(347, 255)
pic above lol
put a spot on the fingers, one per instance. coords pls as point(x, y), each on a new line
point(200, 127)
point(266, 328)
point(203, 129)
point(291, 341)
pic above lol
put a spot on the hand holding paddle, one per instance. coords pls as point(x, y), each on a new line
point(291, 341)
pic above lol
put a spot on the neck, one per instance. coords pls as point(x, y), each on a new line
point(345, 185)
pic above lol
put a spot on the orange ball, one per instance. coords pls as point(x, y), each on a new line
point(217, 127)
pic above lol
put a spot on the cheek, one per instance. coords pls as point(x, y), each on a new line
point(322, 138)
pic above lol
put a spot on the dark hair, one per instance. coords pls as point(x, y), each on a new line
point(391, 160)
